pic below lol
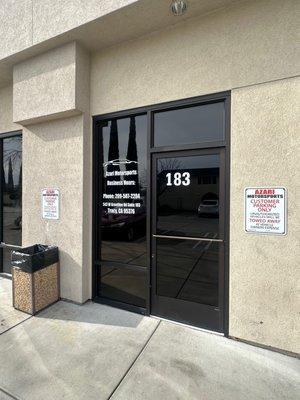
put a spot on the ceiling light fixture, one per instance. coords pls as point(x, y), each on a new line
point(178, 7)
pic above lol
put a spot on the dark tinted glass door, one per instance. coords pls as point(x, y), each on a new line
point(188, 237)
point(10, 196)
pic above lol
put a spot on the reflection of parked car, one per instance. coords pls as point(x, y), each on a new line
point(209, 207)
point(124, 227)
point(119, 161)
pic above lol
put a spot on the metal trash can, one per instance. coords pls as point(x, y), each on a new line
point(35, 277)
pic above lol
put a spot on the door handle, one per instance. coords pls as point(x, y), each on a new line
point(189, 238)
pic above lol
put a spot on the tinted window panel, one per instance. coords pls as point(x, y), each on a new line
point(123, 183)
point(12, 195)
point(122, 203)
point(204, 123)
point(188, 270)
point(124, 285)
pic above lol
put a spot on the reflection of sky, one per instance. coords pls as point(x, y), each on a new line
point(189, 162)
point(190, 125)
point(185, 125)
point(123, 136)
point(12, 149)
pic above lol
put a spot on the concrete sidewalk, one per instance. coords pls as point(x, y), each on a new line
point(9, 317)
point(97, 352)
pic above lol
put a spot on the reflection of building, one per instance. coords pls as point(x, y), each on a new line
point(186, 198)
point(13, 168)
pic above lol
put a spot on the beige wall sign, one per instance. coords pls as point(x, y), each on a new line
point(50, 203)
point(265, 210)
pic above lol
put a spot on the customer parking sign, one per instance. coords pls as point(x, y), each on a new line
point(265, 210)
point(50, 203)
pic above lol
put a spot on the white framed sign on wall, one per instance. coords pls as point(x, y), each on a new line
point(265, 210)
point(50, 203)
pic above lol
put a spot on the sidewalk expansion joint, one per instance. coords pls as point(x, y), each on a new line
point(133, 362)
point(9, 394)
point(19, 323)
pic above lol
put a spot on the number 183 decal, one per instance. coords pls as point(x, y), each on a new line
point(178, 179)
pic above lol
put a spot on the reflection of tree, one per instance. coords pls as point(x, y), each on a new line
point(113, 150)
point(132, 156)
point(12, 150)
point(210, 196)
point(168, 164)
point(10, 178)
point(164, 166)
point(131, 148)
point(113, 154)
point(143, 178)
point(19, 193)
point(12, 167)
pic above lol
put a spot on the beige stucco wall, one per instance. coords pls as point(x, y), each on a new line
point(55, 152)
point(53, 17)
point(25, 23)
point(6, 110)
point(250, 42)
point(16, 26)
point(48, 88)
point(264, 270)
point(52, 157)
point(56, 82)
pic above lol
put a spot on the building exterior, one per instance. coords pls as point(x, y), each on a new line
point(150, 127)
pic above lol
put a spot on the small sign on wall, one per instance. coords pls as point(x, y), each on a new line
point(265, 210)
point(50, 203)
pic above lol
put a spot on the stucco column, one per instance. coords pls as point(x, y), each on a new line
point(264, 272)
point(51, 102)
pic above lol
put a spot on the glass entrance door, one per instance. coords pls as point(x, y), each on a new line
point(10, 196)
point(188, 237)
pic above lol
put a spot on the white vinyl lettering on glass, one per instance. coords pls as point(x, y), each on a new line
point(179, 179)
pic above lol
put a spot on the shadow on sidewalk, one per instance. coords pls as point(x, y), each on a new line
point(91, 313)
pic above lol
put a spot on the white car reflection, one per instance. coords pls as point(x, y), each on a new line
point(119, 161)
point(209, 207)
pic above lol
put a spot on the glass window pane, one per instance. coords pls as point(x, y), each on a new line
point(124, 191)
point(122, 204)
point(204, 123)
point(188, 270)
point(124, 285)
point(12, 195)
point(188, 196)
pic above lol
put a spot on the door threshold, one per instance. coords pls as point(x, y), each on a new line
point(187, 325)
point(5, 275)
